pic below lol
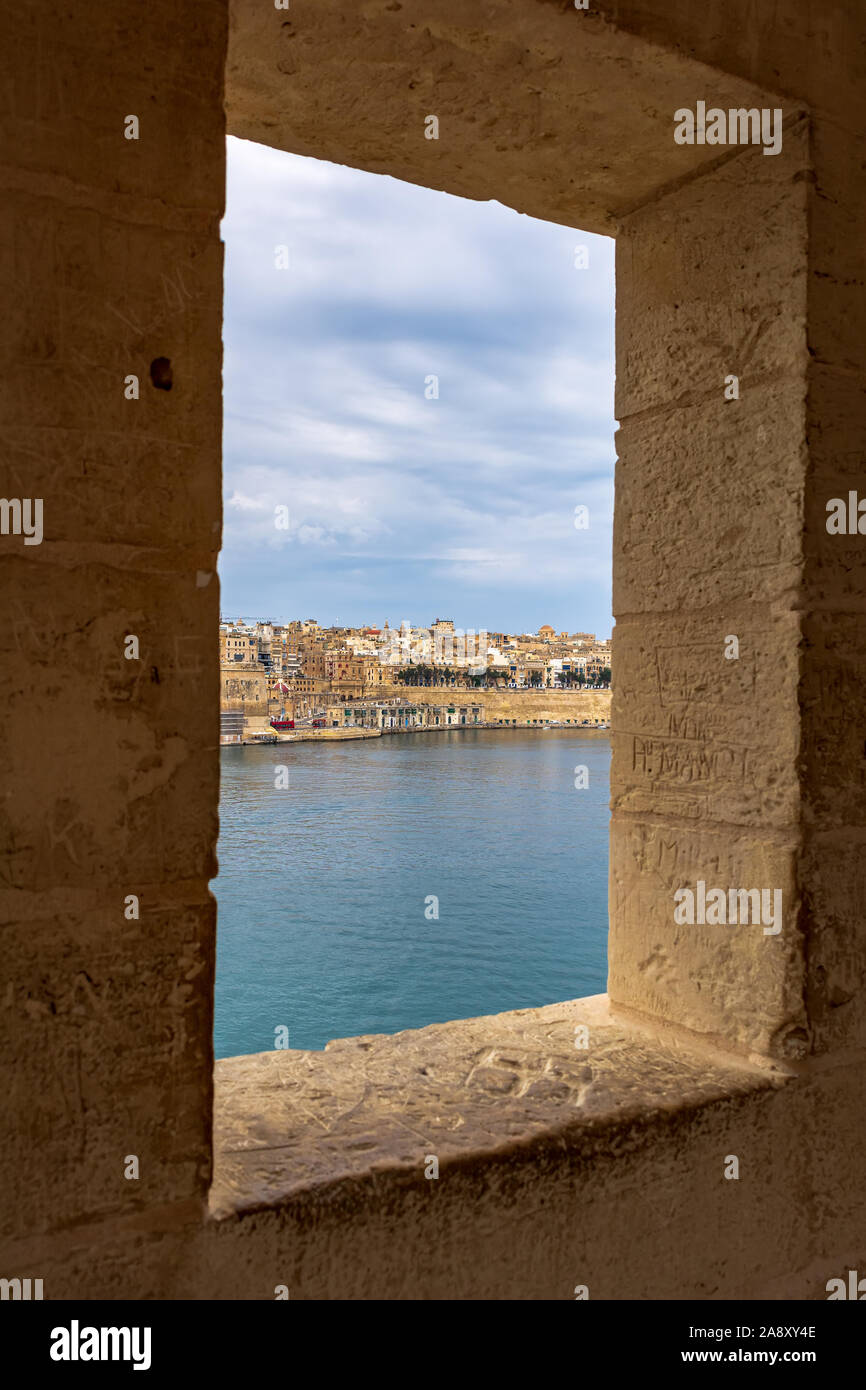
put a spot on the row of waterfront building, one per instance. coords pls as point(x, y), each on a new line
point(296, 668)
point(396, 715)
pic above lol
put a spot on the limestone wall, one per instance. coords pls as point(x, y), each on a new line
point(554, 1169)
point(111, 260)
point(244, 691)
point(705, 781)
point(546, 704)
point(508, 704)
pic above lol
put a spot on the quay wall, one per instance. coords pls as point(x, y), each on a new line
point(505, 704)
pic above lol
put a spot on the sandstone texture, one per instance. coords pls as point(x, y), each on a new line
point(557, 1167)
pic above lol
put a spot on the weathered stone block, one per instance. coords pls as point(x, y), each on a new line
point(709, 501)
point(697, 735)
point(712, 280)
point(105, 1036)
point(741, 982)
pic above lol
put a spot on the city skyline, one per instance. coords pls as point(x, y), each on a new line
point(252, 620)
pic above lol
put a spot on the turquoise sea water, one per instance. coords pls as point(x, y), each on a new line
point(323, 886)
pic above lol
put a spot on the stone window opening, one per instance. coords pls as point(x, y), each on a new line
point(582, 1145)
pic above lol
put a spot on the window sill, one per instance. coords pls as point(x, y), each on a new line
point(289, 1123)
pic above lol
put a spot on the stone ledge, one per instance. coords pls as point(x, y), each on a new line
point(286, 1123)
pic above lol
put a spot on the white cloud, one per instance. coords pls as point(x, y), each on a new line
point(412, 504)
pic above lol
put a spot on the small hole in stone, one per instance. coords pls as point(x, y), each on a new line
point(160, 373)
point(795, 1043)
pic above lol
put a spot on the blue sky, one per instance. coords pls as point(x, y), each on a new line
point(402, 507)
